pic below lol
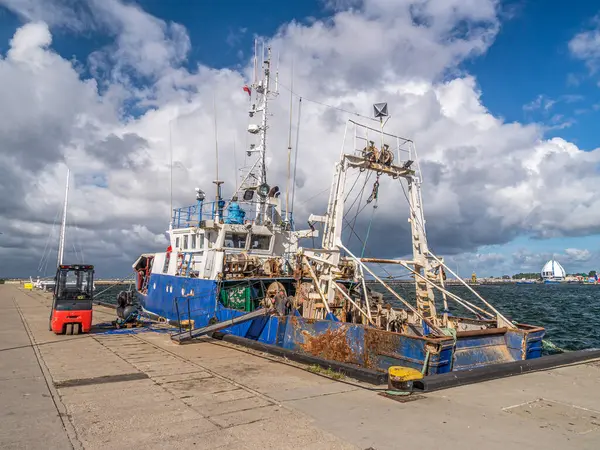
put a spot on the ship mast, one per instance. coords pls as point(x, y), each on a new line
point(61, 242)
point(256, 177)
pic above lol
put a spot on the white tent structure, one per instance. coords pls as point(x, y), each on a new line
point(553, 271)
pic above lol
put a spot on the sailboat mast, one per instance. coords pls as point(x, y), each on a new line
point(61, 243)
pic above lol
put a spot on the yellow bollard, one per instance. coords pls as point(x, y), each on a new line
point(402, 378)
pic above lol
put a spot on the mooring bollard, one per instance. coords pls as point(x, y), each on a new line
point(402, 378)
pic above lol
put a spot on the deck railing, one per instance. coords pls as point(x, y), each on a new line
point(226, 212)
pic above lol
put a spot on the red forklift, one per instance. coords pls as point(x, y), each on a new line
point(72, 299)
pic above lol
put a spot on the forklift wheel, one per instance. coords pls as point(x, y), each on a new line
point(69, 328)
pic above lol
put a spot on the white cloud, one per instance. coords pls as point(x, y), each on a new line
point(577, 254)
point(541, 102)
point(572, 98)
point(145, 44)
point(71, 14)
point(485, 181)
point(586, 45)
point(573, 80)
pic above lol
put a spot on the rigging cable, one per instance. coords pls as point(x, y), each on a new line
point(373, 197)
point(352, 188)
point(296, 156)
point(361, 241)
point(355, 114)
point(77, 242)
point(359, 198)
point(316, 195)
point(43, 264)
point(129, 278)
point(289, 156)
point(325, 104)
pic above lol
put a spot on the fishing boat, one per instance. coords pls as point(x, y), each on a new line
point(238, 266)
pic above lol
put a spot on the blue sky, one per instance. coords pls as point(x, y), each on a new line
point(530, 57)
point(528, 75)
point(527, 69)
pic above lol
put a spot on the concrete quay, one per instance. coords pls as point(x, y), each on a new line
point(119, 389)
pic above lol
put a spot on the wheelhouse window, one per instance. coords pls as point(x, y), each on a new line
point(235, 240)
point(193, 241)
point(176, 242)
point(185, 242)
point(260, 242)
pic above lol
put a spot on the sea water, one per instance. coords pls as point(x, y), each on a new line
point(570, 313)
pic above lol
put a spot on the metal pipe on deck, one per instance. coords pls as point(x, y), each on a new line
point(384, 261)
point(316, 283)
point(434, 328)
point(454, 297)
point(335, 285)
point(509, 324)
point(188, 335)
point(366, 294)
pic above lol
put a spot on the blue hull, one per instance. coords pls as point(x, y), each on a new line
point(180, 298)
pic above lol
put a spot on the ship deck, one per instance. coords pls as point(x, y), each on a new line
point(135, 388)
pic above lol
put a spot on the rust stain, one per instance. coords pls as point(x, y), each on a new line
point(330, 345)
point(433, 349)
point(294, 321)
point(378, 342)
point(297, 322)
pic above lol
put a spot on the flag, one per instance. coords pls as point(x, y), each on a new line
point(247, 89)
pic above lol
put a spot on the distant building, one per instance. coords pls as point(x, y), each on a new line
point(553, 271)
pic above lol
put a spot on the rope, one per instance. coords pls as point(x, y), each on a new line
point(450, 332)
point(390, 276)
point(113, 285)
point(549, 346)
point(425, 363)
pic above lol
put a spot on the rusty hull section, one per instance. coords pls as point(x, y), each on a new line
point(378, 349)
point(331, 345)
point(367, 347)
